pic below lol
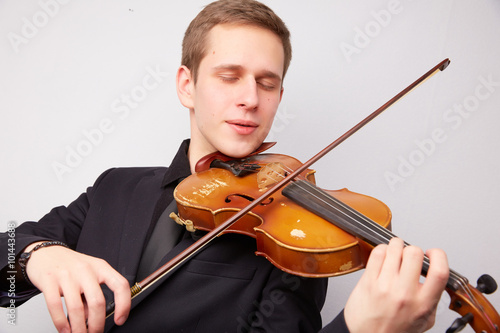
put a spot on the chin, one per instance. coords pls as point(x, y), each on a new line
point(239, 151)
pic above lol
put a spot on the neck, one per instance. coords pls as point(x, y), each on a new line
point(194, 157)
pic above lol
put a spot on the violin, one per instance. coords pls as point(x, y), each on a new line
point(304, 230)
point(308, 231)
point(285, 232)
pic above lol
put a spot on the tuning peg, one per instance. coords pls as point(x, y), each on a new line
point(486, 284)
point(460, 323)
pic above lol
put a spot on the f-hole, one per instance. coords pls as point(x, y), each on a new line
point(249, 198)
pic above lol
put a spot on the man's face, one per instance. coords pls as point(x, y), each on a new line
point(237, 92)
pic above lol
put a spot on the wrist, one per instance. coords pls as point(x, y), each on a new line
point(30, 247)
point(29, 250)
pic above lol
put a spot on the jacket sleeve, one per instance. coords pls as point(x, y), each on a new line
point(61, 223)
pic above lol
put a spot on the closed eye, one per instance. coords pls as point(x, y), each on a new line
point(267, 86)
point(226, 78)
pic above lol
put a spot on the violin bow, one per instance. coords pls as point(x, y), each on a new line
point(185, 255)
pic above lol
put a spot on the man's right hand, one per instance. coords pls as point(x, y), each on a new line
point(58, 271)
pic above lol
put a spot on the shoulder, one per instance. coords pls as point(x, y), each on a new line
point(120, 181)
point(133, 172)
point(130, 174)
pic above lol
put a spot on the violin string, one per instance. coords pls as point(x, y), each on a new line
point(364, 222)
point(368, 224)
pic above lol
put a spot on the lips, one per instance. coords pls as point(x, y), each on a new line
point(243, 127)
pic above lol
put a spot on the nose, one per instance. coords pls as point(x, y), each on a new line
point(248, 98)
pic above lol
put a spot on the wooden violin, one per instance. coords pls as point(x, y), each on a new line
point(308, 231)
point(291, 237)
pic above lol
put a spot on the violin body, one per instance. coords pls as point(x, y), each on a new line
point(293, 239)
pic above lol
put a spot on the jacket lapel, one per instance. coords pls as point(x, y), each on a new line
point(137, 223)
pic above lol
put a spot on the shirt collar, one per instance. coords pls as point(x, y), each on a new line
point(180, 167)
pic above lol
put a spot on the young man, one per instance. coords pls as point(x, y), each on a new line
point(235, 57)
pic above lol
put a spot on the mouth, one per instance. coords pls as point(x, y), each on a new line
point(244, 123)
point(244, 127)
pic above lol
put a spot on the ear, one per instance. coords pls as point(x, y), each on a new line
point(185, 87)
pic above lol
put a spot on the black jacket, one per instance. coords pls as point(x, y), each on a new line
point(225, 288)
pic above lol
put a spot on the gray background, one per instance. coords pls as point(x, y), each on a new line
point(67, 68)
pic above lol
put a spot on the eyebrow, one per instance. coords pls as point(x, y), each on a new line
point(239, 68)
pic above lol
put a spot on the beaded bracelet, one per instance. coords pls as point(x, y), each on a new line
point(24, 257)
